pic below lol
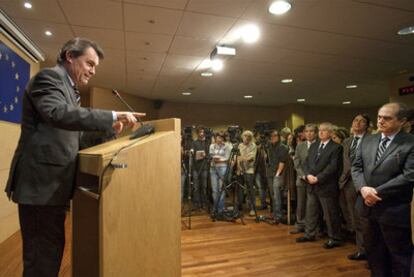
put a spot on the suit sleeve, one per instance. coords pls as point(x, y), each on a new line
point(333, 166)
point(402, 182)
point(346, 167)
point(298, 162)
point(357, 169)
point(47, 96)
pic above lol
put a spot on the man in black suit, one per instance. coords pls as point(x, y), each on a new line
point(383, 174)
point(348, 194)
point(42, 173)
point(322, 169)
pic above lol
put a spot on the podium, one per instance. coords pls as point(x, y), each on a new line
point(126, 206)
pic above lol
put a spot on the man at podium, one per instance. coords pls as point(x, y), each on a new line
point(42, 174)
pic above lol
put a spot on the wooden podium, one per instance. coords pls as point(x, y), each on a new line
point(126, 207)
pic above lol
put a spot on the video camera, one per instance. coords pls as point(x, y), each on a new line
point(264, 129)
point(235, 133)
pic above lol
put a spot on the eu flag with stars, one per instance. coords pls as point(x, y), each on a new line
point(14, 76)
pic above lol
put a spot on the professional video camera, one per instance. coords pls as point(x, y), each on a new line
point(235, 133)
point(208, 133)
point(263, 128)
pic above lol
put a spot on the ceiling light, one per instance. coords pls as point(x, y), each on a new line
point(225, 50)
point(186, 93)
point(250, 33)
point(48, 33)
point(301, 100)
point(205, 64)
point(346, 102)
point(206, 74)
point(279, 7)
point(286, 81)
point(351, 86)
point(406, 31)
point(217, 65)
point(248, 96)
point(27, 5)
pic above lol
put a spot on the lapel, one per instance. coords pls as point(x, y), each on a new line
point(68, 89)
point(323, 150)
point(393, 145)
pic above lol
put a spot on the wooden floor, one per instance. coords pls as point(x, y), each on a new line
point(230, 249)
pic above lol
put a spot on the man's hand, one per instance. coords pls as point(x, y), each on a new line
point(370, 196)
point(118, 126)
point(311, 179)
point(128, 118)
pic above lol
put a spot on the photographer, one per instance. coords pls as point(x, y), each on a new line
point(220, 153)
point(260, 167)
point(245, 168)
point(200, 169)
point(277, 158)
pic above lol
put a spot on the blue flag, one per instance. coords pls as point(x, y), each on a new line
point(14, 76)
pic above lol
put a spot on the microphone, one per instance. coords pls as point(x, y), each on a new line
point(145, 129)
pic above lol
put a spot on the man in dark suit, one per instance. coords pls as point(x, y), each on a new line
point(348, 194)
point(43, 168)
point(383, 173)
point(322, 170)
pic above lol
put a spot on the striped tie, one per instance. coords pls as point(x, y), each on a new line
point(77, 94)
point(353, 148)
point(381, 148)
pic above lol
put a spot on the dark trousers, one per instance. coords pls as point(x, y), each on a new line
point(248, 182)
point(389, 248)
point(43, 234)
point(330, 209)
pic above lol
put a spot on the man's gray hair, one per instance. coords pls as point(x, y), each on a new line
point(327, 125)
point(77, 47)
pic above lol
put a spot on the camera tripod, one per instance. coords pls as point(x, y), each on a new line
point(235, 214)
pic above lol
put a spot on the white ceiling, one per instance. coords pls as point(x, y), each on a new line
point(153, 48)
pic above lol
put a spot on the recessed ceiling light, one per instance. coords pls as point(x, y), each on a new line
point(48, 33)
point(286, 81)
point(346, 102)
point(406, 31)
point(250, 33)
point(27, 5)
point(186, 93)
point(301, 100)
point(248, 96)
point(217, 65)
point(351, 86)
point(279, 7)
point(206, 74)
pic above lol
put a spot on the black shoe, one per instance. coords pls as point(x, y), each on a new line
point(332, 244)
point(296, 231)
point(357, 256)
point(305, 239)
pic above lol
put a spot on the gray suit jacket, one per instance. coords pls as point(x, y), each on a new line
point(392, 176)
point(346, 179)
point(44, 164)
point(299, 159)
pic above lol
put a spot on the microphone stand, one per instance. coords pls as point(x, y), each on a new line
point(145, 129)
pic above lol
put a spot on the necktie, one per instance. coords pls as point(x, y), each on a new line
point(319, 151)
point(381, 148)
point(353, 149)
point(77, 94)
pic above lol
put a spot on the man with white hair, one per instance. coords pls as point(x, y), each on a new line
point(322, 169)
point(245, 168)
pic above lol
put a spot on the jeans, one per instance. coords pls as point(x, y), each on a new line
point(200, 188)
point(217, 176)
point(261, 186)
point(277, 197)
point(183, 177)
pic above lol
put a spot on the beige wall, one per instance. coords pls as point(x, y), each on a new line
point(10, 134)
point(219, 116)
point(400, 82)
point(102, 98)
